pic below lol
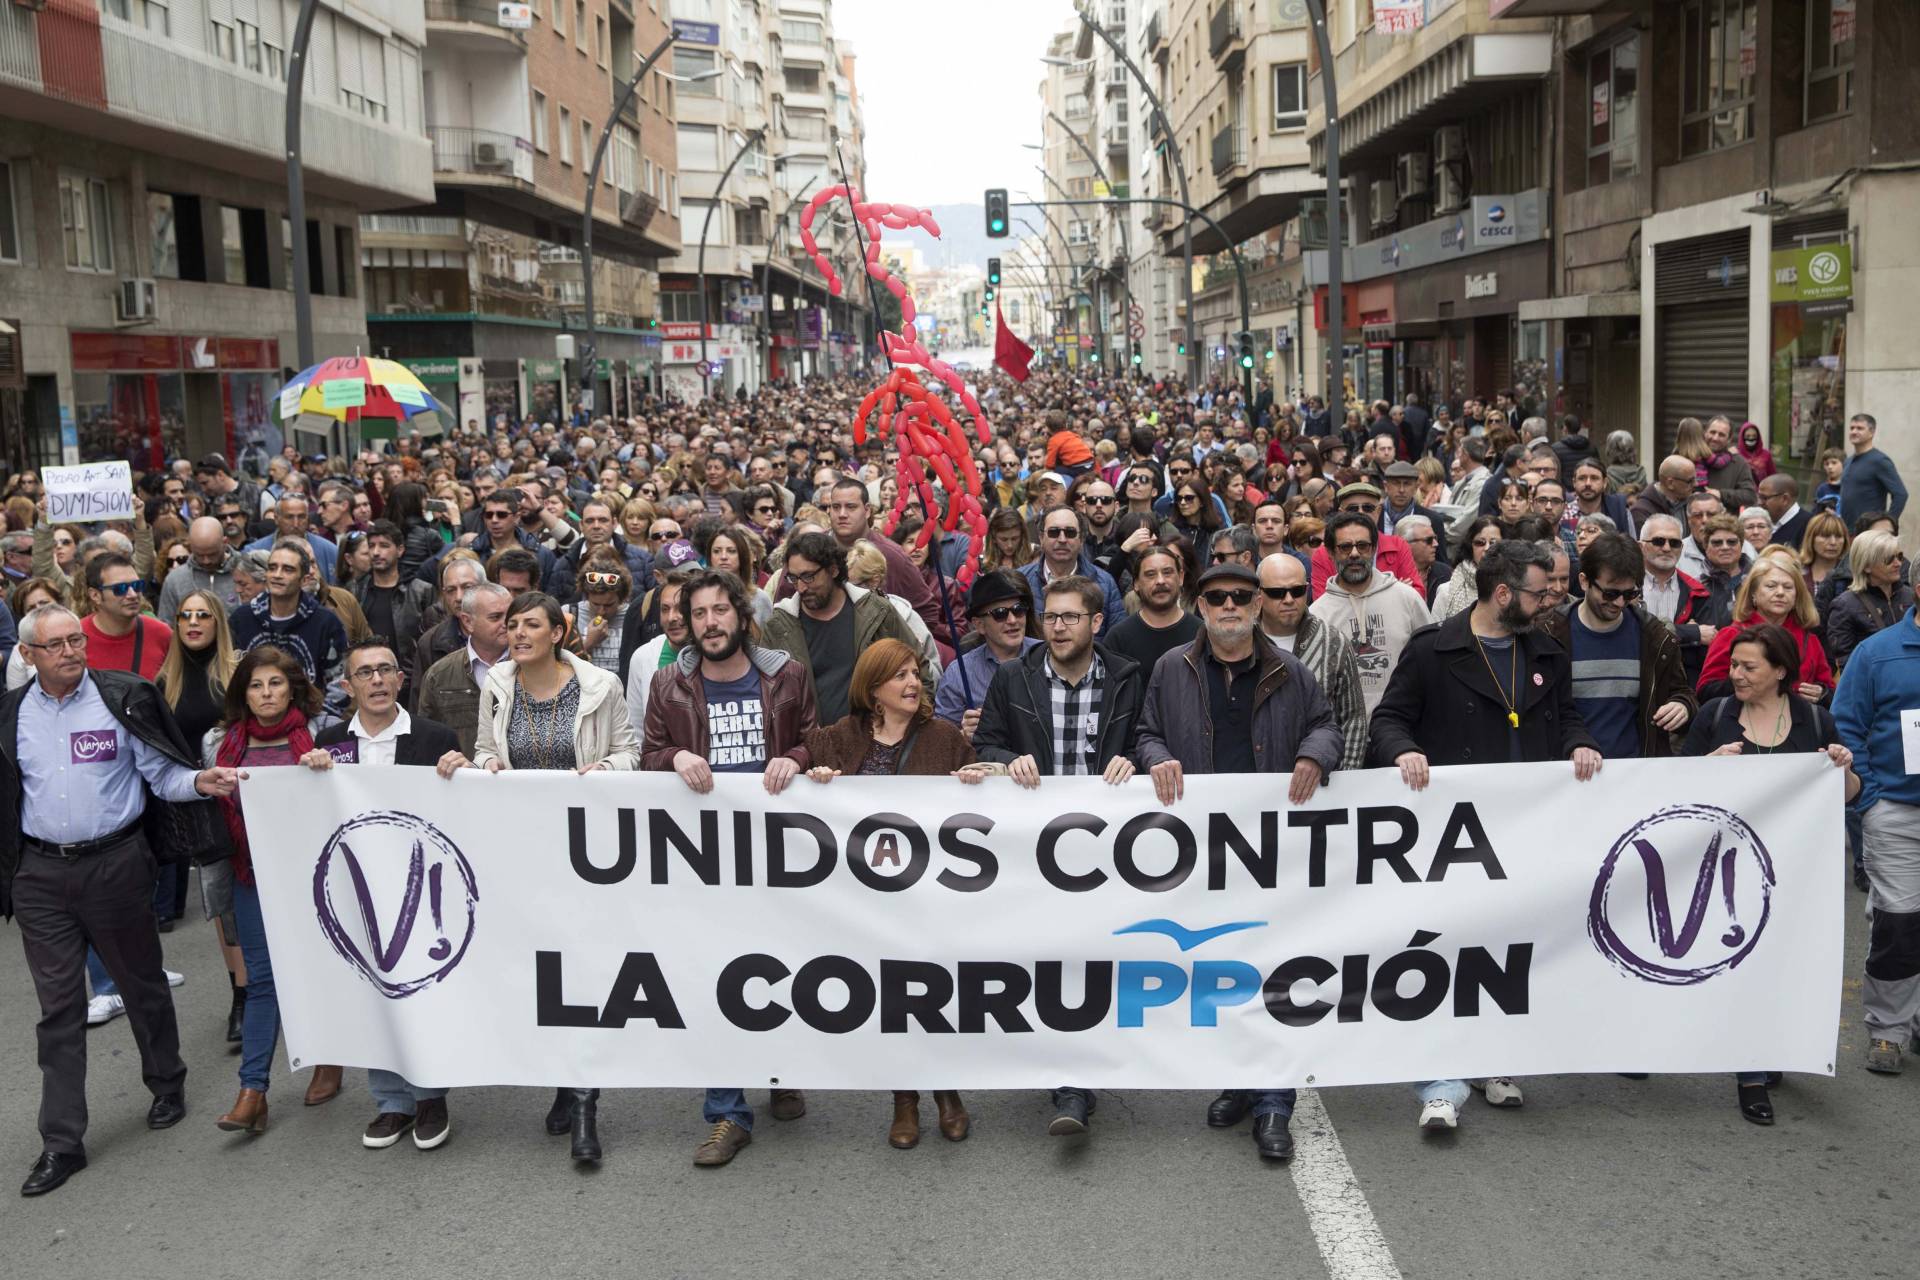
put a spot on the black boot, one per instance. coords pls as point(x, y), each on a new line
point(584, 1115)
point(560, 1114)
point(236, 1015)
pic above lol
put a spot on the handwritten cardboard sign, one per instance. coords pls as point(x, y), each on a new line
point(91, 491)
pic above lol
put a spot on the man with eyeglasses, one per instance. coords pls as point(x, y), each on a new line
point(1629, 681)
point(828, 622)
point(16, 555)
point(1069, 708)
point(1000, 609)
point(500, 517)
point(86, 754)
point(1673, 596)
point(1063, 554)
point(121, 634)
point(381, 732)
point(1374, 611)
point(1483, 687)
point(1287, 620)
point(1233, 701)
point(851, 516)
point(1392, 555)
point(336, 511)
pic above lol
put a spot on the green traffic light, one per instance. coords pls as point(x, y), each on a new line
point(1183, 348)
point(1095, 357)
point(1246, 362)
point(999, 224)
point(1136, 357)
point(1269, 353)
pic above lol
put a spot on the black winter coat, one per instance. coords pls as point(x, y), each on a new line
point(1855, 615)
point(194, 829)
point(1017, 719)
point(1442, 703)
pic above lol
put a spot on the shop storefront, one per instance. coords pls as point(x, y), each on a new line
point(150, 397)
point(1456, 333)
point(500, 383)
point(547, 390)
point(1811, 292)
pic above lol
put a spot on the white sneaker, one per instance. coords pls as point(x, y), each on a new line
point(105, 1009)
point(175, 979)
point(1439, 1114)
point(1500, 1091)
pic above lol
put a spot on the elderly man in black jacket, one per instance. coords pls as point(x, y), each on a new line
point(1483, 687)
point(1069, 708)
point(1232, 701)
point(96, 781)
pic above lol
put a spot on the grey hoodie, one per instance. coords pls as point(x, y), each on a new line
point(189, 578)
point(1377, 621)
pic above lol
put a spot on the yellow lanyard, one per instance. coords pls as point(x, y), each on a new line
point(1513, 675)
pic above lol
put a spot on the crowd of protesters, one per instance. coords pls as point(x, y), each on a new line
point(1173, 582)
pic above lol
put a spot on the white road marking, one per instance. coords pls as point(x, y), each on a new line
point(1344, 1227)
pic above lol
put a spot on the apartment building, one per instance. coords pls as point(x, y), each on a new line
point(1736, 181)
point(145, 249)
point(756, 142)
point(473, 288)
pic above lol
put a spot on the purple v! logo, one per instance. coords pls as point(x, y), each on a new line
point(1660, 911)
point(403, 861)
point(1630, 918)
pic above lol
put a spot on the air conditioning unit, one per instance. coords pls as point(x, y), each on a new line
point(491, 155)
point(1384, 203)
point(138, 301)
point(1412, 172)
point(637, 210)
point(1450, 144)
point(1449, 192)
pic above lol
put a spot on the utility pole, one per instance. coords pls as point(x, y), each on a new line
point(296, 186)
point(1336, 231)
point(706, 224)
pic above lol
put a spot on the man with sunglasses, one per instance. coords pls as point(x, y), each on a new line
point(1483, 687)
point(1096, 501)
point(1288, 622)
point(1233, 701)
point(1376, 612)
point(1673, 596)
point(1392, 556)
point(500, 516)
point(1000, 609)
point(121, 634)
point(1629, 681)
point(1063, 534)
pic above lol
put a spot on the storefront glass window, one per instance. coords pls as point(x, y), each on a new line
point(1530, 367)
point(137, 416)
point(1809, 384)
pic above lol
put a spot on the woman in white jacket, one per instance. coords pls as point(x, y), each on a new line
point(544, 708)
point(1461, 592)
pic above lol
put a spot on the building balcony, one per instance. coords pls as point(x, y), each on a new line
point(153, 94)
point(1553, 8)
point(1154, 41)
point(1226, 37)
point(1114, 138)
point(480, 153)
point(470, 23)
point(1229, 152)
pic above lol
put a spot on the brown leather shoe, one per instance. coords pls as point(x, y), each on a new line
point(954, 1123)
point(788, 1104)
point(721, 1145)
point(249, 1114)
point(905, 1133)
point(324, 1086)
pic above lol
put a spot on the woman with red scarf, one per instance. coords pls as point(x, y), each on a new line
point(268, 701)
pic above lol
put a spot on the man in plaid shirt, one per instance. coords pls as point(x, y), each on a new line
point(1069, 707)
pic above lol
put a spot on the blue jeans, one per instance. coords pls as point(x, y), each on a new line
point(98, 976)
point(728, 1104)
point(392, 1094)
point(1268, 1102)
point(1454, 1091)
point(260, 1029)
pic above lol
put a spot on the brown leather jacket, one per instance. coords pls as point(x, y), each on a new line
point(938, 747)
point(677, 709)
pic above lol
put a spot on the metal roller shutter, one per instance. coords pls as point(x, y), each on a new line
point(1702, 357)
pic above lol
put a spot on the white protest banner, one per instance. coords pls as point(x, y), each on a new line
point(619, 930)
point(91, 491)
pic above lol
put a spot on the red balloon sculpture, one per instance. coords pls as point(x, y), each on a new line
point(923, 428)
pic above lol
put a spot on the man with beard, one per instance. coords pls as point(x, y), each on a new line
point(1000, 608)
point(830, 622)
point(1161, 625)
point(1233, 701)
point(660, 652)
point(1590, 496)
point(1070, 707)
point(1483, 687)
point(1097, 503)
point(1286, 620)
point(852, 520)
point(1375, 611)
point(729, 706)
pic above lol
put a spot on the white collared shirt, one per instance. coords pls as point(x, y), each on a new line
point(478, 667)
point(1662, 601)
point(1792, 511)
point(380, 748)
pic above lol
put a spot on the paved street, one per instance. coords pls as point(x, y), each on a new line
point(1595, 1177)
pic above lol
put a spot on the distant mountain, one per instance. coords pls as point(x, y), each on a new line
point(963, 237)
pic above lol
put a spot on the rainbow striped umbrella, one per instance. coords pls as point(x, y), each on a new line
point(359, 389)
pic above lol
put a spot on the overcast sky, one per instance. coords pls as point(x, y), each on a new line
point(949, 90)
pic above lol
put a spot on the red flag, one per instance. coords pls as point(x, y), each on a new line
point(1009, 352)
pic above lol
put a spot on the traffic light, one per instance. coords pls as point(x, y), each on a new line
point(997, 213)
point(1094, 357)
point(989, 293)
point(1136, 357)
point(1183, 348)
point(1245, 340)
point(993, 271)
